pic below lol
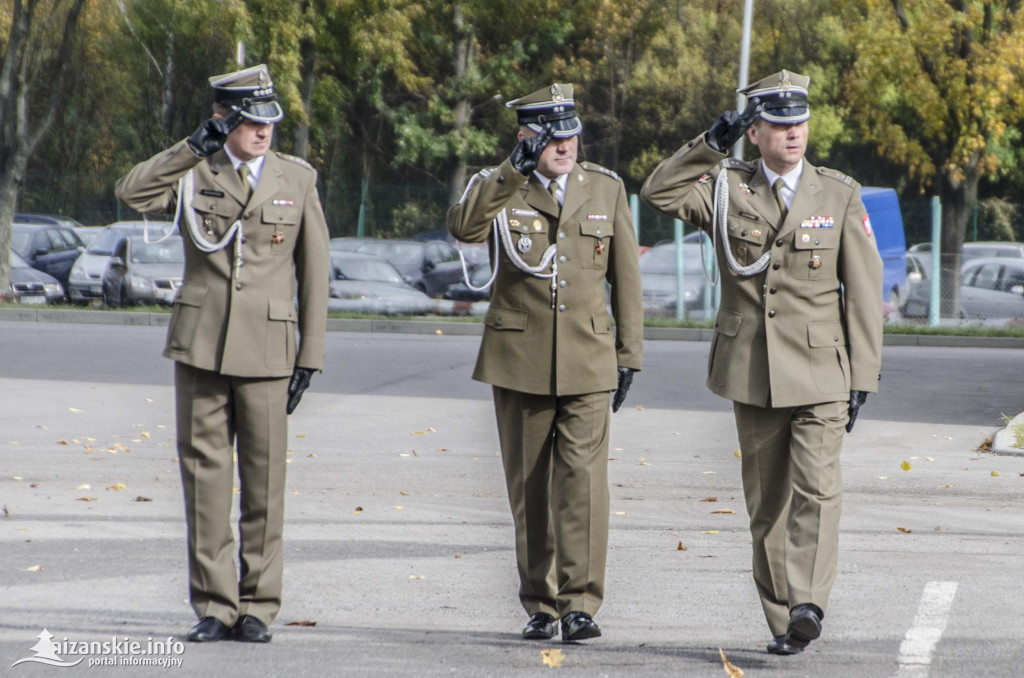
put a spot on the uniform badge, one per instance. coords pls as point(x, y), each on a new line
point(741, 250)
point(600, 246)
point(756, 233)
point(815, 262)
point(867, 225)
point(524, 213)
point(283, 202)
point(278, 238)
point(536, 224)
point(705, 178)
point(525, 244)
point(513, 222)
point(805, 238)
point(597, 217)
point(745, 189)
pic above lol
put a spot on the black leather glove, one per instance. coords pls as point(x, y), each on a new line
point(211, 134)
point(526, 154)
point(298, 384)
point(730, 126)
point(857, 399)
point(625, 381)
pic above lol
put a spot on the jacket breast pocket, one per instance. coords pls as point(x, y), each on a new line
point(281, 319)
point(280, 221)
point(830, 363)
point(185, 317)
point(529, 238)
point(816, 253)
point(596, 242)
point(215, 214)
point(727, 326)
point(747, 236)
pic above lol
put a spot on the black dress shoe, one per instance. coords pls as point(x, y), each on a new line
point(208, 630)
point(540, 627)
point(579, 626)
point(804, 625)
point(249, 629)
point(778, 645)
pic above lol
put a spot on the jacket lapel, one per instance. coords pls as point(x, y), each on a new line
point(807, 200)
point(537, 197)
point(226, 177)
point(271, 180)
point(577, 193)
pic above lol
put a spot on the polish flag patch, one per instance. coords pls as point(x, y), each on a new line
point(867, 225)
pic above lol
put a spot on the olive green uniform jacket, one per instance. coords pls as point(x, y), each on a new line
point(241, 321)
point(809, 328)
point(568, 349)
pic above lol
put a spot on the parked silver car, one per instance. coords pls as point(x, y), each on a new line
point(144, 273)
point(355, 275)
point(658, 276)
point(30, 286)
point(85, 283)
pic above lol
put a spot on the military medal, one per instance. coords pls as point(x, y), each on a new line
point(600, 246)
point(536, 224)
point(705, 178)
point(524, 244)
point(805, 238)
point(278, 238)
point(744, 189)
point(513, 222)
point(283, 202)
point(815, 262)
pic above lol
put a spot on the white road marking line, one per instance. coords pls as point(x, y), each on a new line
point(918, 645)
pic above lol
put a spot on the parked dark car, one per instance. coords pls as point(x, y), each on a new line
point(429, 266)
point(30, 286)
point(85, 283)
point(348, 244)
point(51, 219)
point(144, 273)
point(460, 291)
point(356, 275)
point(50, 248)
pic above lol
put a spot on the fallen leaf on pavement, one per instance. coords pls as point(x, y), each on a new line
point(117, 487)
point(640, 407)
point(86, 499)
point(141, 498)
point(642, 462)
point(301, 623)
point(301, 435)
point(724, 511)
point(403, 493)
point(34, 568)
point(398, 508)
point(904, 530)
point(145, 434)
point(62, 442)
point(620, 513)
point(709, 473)
point(552, 658)
point(995, 473)
point(85, 486)
point(680, 547)
point(906, 466)
point(74, 409)
point(709, 499)
point(359, 509)
point(737, 453)
point(710, 532)
point(416, 576)
point(731, 670)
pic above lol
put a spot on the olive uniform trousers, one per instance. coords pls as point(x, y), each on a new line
point(555, 453)
point(793, 488)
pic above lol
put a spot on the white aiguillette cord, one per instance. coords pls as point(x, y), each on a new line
point(719, 218)
point(503, 233)
point(186, 196)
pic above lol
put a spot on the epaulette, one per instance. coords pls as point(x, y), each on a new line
point(737, 164)
point(297, 160)
point(836, 174)
point(591, 167)
point(486, 172)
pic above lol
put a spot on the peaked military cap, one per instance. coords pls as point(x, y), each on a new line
point(553, 106)
point(250, 92)
point(783, 96)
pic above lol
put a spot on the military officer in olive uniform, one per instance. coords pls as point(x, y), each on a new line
point(252, 225)
point(798, 337)
point(549, 350)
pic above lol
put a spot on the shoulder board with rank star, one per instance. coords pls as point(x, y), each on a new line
point(486, 172)
point(737, 164)
point(836, 174)
point(591, 167)
point(297, 160)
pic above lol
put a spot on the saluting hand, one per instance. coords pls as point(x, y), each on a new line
point(210, 136)
point(730, 126)
point(526, 154)
point(625, 381)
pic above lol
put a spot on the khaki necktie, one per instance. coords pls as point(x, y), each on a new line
point(777, 192)
point(243, 172)
point(553, 190)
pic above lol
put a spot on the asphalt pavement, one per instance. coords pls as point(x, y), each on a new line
point(399, 556)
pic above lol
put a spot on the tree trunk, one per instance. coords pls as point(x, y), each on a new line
point(300, 137)
point(958, 198)
point(167, 95)
point(462, 108)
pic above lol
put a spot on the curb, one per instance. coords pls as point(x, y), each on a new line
point(392, 326)
point(1004, 439)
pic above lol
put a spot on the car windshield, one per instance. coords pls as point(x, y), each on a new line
point(365, 269)
point(19, 241)
point(158, 252)
point(975, 252)
point(398, 253)
point(105, 243)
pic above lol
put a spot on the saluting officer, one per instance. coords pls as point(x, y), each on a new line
point(563, 229)
point(798, 337)
point(254, 225)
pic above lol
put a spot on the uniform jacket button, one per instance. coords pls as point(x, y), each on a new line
point(562, 259)
point(773, 290)
point(776, 266)
point(501, 180)
point(247, 215)
point(497, 323)
point(562, 283)
point(561, 236)
point(771, 314)
point(778, 243)
point(238, 286)
point(561, 309)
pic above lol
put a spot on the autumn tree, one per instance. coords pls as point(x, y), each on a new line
point(937, 87)
point(34, 58)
